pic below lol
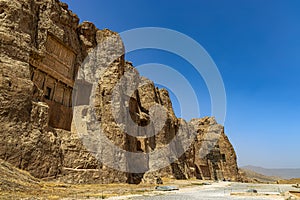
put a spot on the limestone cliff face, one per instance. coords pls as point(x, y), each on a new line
point(42, 48)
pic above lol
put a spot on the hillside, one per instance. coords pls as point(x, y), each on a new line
point(13, 180)
point(282, 173)
point(251, 176)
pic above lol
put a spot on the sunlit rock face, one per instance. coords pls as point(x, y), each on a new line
point(45, 56)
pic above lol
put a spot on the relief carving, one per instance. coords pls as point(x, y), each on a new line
point(59, 58)
point(38, 79)
point(59, 92)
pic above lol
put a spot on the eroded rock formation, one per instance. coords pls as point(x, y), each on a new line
point(43, 48)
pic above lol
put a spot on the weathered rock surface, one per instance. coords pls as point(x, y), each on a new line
point(42, 50)
point(15, 180)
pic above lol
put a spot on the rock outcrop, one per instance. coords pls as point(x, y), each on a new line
point(45, 59)
point(15, 180)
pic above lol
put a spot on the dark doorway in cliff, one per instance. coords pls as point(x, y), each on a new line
point(48, 93)
point(177, 172)
point(135, 178)
point(138, 114)
point(205, 171)
point(223, 156)
point(198, 173)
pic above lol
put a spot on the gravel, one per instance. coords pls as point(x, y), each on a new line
point(220, 191)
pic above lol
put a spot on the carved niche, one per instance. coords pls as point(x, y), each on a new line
point(53, 73)
point(59, 58)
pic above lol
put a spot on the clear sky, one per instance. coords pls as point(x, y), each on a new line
point(256, 47)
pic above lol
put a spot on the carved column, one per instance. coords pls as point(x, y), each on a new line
point(54, 90)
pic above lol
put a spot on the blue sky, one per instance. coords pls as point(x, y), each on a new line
point(255, 45)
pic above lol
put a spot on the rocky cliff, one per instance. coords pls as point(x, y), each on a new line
point(44, 62)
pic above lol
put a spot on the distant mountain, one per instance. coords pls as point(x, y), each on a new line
point(282, 173)
point(251, 176)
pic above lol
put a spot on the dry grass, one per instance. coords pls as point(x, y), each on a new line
point(290, 181)
point(18, 184)
point(53, 190)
